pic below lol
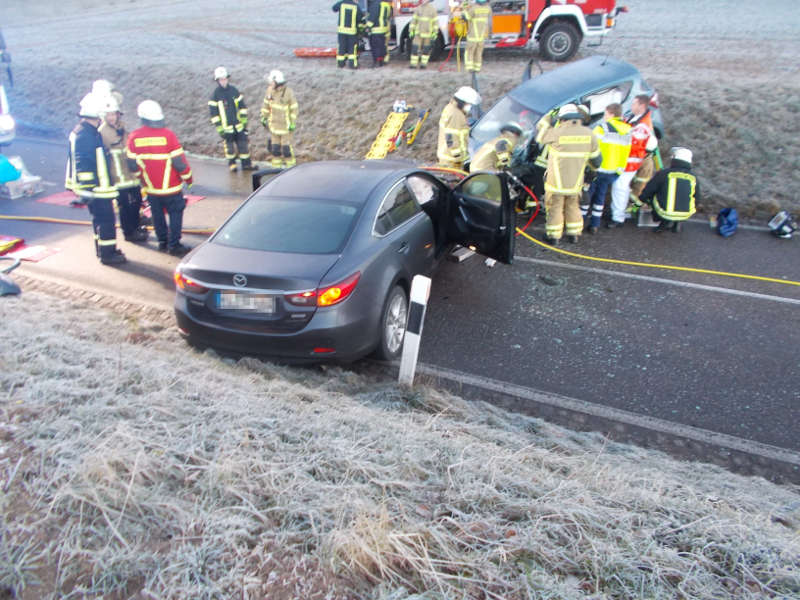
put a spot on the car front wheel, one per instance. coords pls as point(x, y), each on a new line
point(393, 325)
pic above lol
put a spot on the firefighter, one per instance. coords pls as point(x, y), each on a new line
point(643, 142)
point(454, 129)
point(379, 22)
point(155, 155)
point(495, 155)
point(571, 146)
point(129, 201)
point(479, 17)
point(89, 178)
point(229, 115)
point(422, 31)
point(279, 116)
point(350, 16)
point(614, 137)
point(673, 192)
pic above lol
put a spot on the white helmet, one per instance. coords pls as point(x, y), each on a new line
point(683, 154)
point(110, 104)
point(467, 95)
point(569, 112)
point(220, 73)
point(102, 87)
point(91, 106)
point(150, 110)
point(277, 77)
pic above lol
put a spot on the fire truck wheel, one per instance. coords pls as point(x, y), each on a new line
point(559, 42)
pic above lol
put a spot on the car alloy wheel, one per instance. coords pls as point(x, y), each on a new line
point(393, 324)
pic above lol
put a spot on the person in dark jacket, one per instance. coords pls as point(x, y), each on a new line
point(350, 15)
point(379, 22)
point(673, 192)
point(229, 115)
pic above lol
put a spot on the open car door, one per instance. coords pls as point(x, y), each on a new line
point(481, 216)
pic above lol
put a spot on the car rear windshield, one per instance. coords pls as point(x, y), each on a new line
point(507, 109)
point(294, 225)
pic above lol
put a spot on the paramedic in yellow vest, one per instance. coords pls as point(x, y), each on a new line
point(279, 116)
point(614, 137)
point(350, 16)
point(454, 128)
point(571, 146)
point(479, 17)
point(115, 139)
point(495, 155)
point(379, 21)
point(673, 192)
point(423, 30)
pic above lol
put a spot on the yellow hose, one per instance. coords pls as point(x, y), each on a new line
point(657, 266)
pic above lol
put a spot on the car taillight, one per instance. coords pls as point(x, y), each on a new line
point(187, 284)
point(654, 100)
point(334, 294)
point(302, 299)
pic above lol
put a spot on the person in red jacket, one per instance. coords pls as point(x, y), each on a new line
point(156, 156)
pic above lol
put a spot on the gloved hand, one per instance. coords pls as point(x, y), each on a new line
point(292, 127)
point(264, 121)
point(553, 116)
point(220, 130)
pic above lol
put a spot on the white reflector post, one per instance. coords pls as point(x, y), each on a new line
point(420, 292)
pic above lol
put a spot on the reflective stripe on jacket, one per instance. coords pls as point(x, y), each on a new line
point(160, 161)
point(453, 134)
point(571, 146)
point(478, 16)
point(643, 140)
point(425, 21)
point(227, 109)
point(349, 16)
point(280, 109)
point(115, 139)
point(494, 154)
point(87, 164)
point(673, 192)
point(614, 138)
point(380, 17)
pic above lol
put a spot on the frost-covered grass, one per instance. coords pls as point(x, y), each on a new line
point(134, 466)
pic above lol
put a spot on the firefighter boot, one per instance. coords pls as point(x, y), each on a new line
point(232, 164)
point(247, 165)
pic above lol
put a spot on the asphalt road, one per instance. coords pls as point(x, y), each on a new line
point(706, 351)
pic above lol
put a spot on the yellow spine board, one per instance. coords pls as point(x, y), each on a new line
point(384, 141)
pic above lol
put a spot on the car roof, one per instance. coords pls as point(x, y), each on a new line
point(350, 181)
point(571, 81)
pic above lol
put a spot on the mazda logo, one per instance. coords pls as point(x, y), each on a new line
point(239, 280)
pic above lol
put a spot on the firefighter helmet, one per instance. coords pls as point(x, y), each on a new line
point(512, 127)
point(467, 95)
point(110, 104)
point(102, 87)
point(569, 112)
point(91, 106)
point(782, 225)
point(586, 116)
point(277, 77)
point(683, 154)
point(150, 110)
point(220, 73)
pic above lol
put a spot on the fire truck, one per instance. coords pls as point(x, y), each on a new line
point(557, 25)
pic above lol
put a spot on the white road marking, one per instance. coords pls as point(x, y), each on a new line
point(698, 286)
point(698, 434)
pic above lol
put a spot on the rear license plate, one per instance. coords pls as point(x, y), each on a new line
point(262, 303)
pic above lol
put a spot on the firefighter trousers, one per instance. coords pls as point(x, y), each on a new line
point(643, 175)
point(172, 205)
point(237, 146)
point(130, 204)
point(421, 51)
point(348, 51)
point(280, 146)
point(105, 226)
point(377, 45)
point(473, 56)
point(563, 212)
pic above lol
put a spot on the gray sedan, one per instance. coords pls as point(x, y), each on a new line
point(317, 263)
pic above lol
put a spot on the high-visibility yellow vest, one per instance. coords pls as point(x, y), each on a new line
point(615, 144)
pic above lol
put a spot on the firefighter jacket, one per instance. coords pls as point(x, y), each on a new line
point(614, 137)
point(571, 146)
point(279, 109)
point(350, 16)
point(495, 154)
point(479, 17)
point(156, 156)
point(643, 140)
point(425, 21)
point(380, 16)
point(228, 110)
point(673, 192)
point(115, 139)
point(87, 164)
point(453, 133)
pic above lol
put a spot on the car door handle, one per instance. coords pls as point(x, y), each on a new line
point(403, 248)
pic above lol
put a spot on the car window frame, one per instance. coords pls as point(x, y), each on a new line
point(419, 210)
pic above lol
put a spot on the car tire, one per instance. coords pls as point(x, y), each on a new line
point(559, 42)
point(394, 317)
